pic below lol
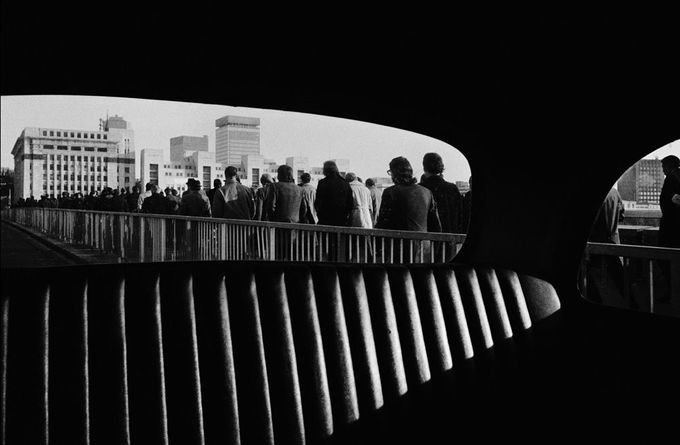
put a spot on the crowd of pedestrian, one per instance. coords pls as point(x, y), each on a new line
point(431, 205)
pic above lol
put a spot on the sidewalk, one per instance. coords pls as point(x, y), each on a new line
point(23, 247)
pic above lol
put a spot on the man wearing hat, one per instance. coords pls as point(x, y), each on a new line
point(193, 203)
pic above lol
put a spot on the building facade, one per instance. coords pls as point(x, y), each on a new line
point(641, 184)
point(183, 146)
point(120, 130)
point(161, 169)
point(236, 136)
point(343, 165)
point(463, 186)
point(50, 161)
point(300, 165)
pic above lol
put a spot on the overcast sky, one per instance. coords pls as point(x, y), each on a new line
point(369, 147)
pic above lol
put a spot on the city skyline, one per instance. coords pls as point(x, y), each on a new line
point(369, 147)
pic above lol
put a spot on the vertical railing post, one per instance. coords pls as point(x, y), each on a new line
point(141, 239)
point(341, 250)
point(121, 236)
point(651, 286)
point(272, 243)
point(163, 240)
point(626, 279)
point(222, 241)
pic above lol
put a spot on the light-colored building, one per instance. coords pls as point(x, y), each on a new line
point(463, 186)
point(251, 168)
point(316, 173)
point(343, 165)
point(184, 146)
point(383, 182)
point(300, 165)
point(50, 161)
point(236, 136)
point(120, 130)
point(158, 167)
point(641, 184)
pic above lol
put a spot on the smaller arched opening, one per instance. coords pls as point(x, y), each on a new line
point(632, 259)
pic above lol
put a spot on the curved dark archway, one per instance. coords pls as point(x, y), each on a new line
point(548, 109)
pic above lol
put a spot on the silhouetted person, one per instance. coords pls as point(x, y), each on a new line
point(284, 201)
point(193, 203)
point(606, 271)
point(174, 201)
point(309, 197)
point(155, 203)
point(140, 201)
point(119, 202)
point(217, 184)
point(261, 195)
point(669, 226)
point(106, 200)
point(78, 202)
point(606, 226)
point(466, 208)
point(133, 198)
point(333, 197)
point(446, 194)
point(233, 200)
point(376, 196)
point(362, 204)
point(92, 201)
point(407, 205)
point(64, 201)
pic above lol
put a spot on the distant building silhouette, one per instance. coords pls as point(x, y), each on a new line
point(463, 186)
point(642, 182)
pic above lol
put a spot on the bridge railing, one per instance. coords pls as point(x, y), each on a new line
point(138, 237)
point(630, 276)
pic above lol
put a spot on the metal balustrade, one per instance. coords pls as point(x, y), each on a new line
point(634, 262)
point(138, 237)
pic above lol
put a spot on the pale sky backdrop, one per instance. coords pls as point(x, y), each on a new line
point(368, 147)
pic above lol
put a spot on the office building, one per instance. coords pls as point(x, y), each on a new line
point(50, 161)
point(120, 131)
point(300, 165)
point(236, 136)
point(183, 146)
point(169, 169)
point(641, 184)
point(343, 165)
point(463, 186)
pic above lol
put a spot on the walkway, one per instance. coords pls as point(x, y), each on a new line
point(19, 250)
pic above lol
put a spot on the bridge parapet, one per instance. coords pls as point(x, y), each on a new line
point(137, 237)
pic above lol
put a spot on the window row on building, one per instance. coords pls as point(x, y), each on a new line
point(74, 148)
point(74, 134)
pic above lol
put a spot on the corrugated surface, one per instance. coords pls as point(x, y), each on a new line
point(240, 353)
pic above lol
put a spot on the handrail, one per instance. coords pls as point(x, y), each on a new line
point(648, 254)
point(633, 251)
point(432, 236)
point(151, 237)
